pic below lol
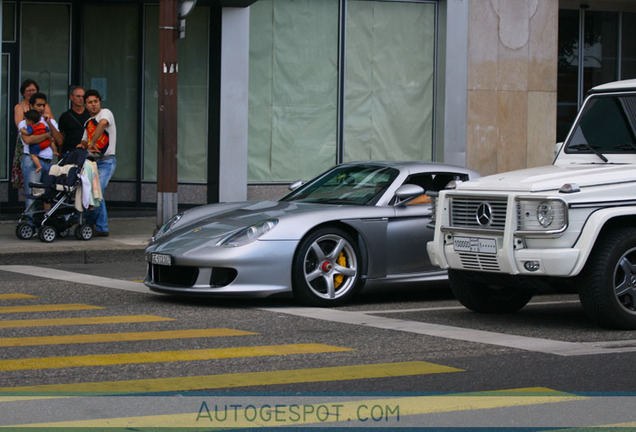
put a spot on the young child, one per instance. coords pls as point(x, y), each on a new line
point(35, 127)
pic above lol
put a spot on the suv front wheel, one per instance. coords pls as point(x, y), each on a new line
point(607, 284)
point(489, 293)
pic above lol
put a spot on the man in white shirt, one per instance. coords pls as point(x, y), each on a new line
point(37, 102)
point(100, 136)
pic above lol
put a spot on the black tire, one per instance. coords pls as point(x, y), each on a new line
point(48, 234)
point(489, 293)
point(607, 284)
point(24, 231)
point(327, 268)
point(83, 232)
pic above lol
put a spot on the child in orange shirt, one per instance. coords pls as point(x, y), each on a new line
point(36, 127)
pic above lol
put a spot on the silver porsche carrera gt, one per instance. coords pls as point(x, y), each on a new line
point(357, 224)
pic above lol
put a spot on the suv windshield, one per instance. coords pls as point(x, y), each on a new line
point(357, 185)
point(607, 125)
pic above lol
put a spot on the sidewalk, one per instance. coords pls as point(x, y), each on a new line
point(127, 241)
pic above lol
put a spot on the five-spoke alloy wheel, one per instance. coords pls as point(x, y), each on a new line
point(327, 268)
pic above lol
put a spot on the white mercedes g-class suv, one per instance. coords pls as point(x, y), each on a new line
point(570, 225)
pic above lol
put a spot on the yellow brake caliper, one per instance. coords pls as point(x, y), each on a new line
point(342, 262)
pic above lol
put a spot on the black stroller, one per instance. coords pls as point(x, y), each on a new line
point(53, 211)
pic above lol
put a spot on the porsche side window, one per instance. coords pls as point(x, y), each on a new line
point(430, 182)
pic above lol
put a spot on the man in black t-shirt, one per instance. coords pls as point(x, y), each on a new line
point(71, 123)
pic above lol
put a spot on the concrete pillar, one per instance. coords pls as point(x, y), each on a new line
point(512, 84)
point(234, 104)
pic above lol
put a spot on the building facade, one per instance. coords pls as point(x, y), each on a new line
point(272, 91)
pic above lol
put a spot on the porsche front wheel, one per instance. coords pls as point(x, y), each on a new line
point(327, 268)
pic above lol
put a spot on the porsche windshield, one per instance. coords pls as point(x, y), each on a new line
point(608, 125)
point(356, 185)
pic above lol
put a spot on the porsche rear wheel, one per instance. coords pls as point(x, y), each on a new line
point(327, 268)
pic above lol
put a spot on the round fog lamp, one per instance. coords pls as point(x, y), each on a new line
point(532, 265)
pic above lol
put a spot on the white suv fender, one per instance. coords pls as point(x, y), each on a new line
point(594, 225)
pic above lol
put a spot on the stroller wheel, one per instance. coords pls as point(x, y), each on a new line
point(24, 231)
point(83, 232)
point(48, 234)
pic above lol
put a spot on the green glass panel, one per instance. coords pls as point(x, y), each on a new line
point(389, 86)
point(45, 51)
point(293, 89)
point(111, 64)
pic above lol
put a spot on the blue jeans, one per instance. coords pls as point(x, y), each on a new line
point(99, 215)
point(29, 175)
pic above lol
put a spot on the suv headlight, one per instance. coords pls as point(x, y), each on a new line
point(542, 215)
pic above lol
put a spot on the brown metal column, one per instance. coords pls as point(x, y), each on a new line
point(167, 199)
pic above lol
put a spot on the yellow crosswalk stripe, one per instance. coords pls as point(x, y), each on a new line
point(163, 356)
point(222, 381)
point(121, 337)
point(47, 308)
point(82, 321)
point(345, 411)
point(16, 296)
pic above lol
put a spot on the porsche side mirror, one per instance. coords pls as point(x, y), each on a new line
point(295, 185)
point(408, 192)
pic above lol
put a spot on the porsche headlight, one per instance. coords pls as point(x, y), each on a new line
point(167, 227)
point(542, 215)
point(249, 234)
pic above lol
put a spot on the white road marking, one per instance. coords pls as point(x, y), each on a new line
point(525, 343)
point(78, 278)
point(446, 308)
point(368, 319)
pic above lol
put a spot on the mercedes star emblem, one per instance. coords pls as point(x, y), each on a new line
point(484, 214)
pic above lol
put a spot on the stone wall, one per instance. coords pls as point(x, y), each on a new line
point(512, 84)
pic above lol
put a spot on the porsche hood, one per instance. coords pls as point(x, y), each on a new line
point(212, 223)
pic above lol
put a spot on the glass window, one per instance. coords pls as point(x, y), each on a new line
point(4, 110)
point(607, 125)
point(390, 64)
point(628, 51)
point(192, 96)
point(587, 63)
point(111, 49)
point(45, 51)
point(293, 89)
point(600, 49)
point(8, 21)
point(568, 72)
point(353, 185)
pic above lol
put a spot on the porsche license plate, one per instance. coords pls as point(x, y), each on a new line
point(478, 245)
point(161, 259)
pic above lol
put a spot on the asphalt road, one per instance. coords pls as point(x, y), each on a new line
point(397, 357)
